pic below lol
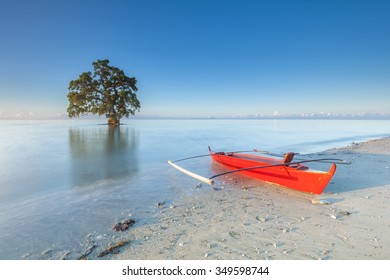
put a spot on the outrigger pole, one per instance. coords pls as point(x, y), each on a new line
point(209, 155)
point(327, 160)
point(280, 155)
point(194, 175)
point(191, 174)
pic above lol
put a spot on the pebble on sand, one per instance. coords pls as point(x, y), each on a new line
point(320, 201)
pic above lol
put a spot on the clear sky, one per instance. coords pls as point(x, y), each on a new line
point(200, 58)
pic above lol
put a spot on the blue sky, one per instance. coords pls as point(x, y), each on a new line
point(200, 58)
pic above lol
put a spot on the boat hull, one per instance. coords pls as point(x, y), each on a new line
point(296, 177)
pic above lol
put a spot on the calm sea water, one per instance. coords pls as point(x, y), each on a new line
point(62, 182)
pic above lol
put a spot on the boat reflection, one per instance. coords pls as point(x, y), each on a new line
point(102, 153)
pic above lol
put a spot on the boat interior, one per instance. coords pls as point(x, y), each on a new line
point(288, 158)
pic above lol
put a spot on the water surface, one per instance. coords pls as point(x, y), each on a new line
point(64, 182)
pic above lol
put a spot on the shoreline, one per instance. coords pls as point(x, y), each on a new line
point(374, 146)
point(247, 219)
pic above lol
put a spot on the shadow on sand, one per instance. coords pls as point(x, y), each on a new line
point(366, 171)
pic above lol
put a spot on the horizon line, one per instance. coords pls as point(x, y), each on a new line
point(86, 118)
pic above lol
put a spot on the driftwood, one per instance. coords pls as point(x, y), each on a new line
point(87, 253)
point(114, 249)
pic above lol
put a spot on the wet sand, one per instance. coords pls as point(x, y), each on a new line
point(240, 218)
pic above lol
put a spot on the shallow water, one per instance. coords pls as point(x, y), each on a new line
point(63, 183)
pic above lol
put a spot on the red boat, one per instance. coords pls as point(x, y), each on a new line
point(283, 172)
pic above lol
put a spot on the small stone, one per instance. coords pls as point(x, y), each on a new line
point(261, 219)
point(122, 226)
point(233, 234)
point(89, 236)
point(320, 201)
point(333, 217)
point(46, 252)
point(198, 186)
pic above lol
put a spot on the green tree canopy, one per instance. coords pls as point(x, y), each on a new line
point(108, 91)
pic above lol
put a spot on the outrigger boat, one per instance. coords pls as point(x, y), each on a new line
point(283, 172)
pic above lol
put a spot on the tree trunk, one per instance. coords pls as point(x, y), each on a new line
point(113, 120)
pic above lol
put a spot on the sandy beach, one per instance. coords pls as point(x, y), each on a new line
point(240, 218)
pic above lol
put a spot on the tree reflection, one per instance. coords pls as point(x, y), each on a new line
point(102, 153)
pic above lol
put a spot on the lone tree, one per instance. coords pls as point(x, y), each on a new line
point(108, 91)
